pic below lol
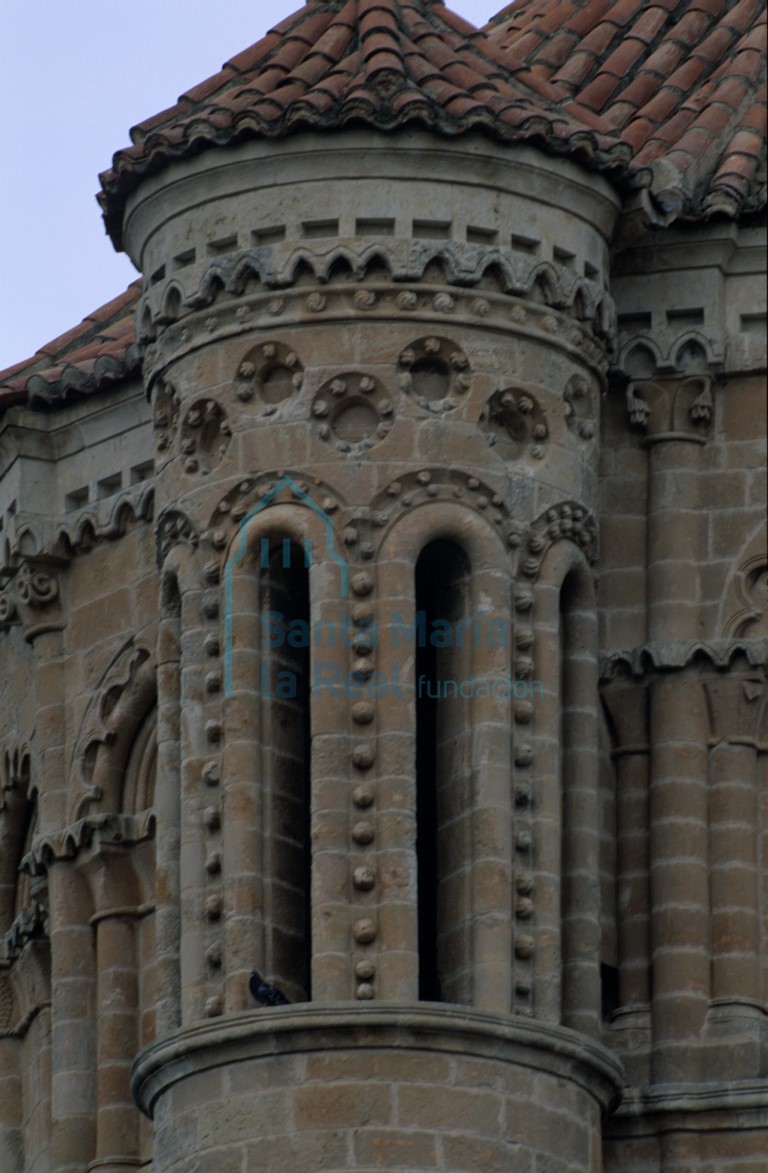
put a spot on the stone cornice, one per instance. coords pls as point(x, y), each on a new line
point(101, 830)
point(314, 1026)
point(465, 265)
point(677, 654)
point(699, 1107)
point(53, 541)
point(341, 302)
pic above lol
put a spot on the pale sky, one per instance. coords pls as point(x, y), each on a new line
point(75, 75)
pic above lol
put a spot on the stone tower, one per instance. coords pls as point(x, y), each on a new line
point(340, 720)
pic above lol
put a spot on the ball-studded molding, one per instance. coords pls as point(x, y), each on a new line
point(277, 268)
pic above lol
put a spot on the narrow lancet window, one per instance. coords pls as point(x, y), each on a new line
point(579, 900)
point(284, 689)
point(443, 776)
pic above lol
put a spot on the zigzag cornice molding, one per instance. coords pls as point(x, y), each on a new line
point(98, 830)
point(674, 655)
point(99, 521)
point(278, 267)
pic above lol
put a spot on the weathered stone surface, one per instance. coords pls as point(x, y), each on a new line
point(302, 637)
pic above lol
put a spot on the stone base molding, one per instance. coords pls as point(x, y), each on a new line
point(333, 1087)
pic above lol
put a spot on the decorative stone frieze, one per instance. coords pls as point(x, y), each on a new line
point(32, 598)
point(92, 832)
point(676, 655)
point(55, 540)
point(243, 272)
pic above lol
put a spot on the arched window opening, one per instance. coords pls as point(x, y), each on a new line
point(443, 775)
point(284, 688)
point(27, 886)
point(139, 783)
point(580, 834)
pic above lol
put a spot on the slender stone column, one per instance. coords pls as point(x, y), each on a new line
point(735, 705)
point(566, 798)
point(167, 811)
point(676, 410)
point(11, 1104)
point(386, 778)
point(74, 1090)
point(541, 952)
point(581, 817)
point(339, 930)
point(676, 537)
point(242, 784)
point(627, 705)
point(117, 1136)
point(198, 815)
point(680, 922)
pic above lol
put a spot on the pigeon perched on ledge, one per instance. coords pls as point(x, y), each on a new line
point(266, 993)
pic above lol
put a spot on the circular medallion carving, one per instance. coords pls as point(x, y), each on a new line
point(205, 435)
point(435, 372)
point(354, 410)
point(271, 373)
point(514, 421)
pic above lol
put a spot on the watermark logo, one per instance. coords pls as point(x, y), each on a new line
point(406, 631)
point(237, 555)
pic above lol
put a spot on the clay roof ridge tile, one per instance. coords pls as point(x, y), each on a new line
point(198, 93)
point(246, 60)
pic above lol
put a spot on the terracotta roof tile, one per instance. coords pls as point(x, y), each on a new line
point(685, 77)
point(66, 340)
point(642, 89)
point(665, 58)
point(712, 8)
point(716, 45)
point(585, 19)
point(199, 92)
point(623, 11)
point(576, 69)
point(97, 352)
point(638, 132)
point(600, 39)
point(623, 59)
point(458, 23)
point(690, 76)
point(553, 19)
point(381, 61)
point(607, 79)
point(650, 24)
point(691, 27)
point(596, 94)
point(557, 50)
point(529, 42)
